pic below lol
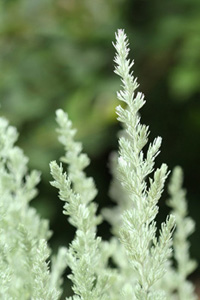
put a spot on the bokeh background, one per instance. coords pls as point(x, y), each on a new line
point(58, 54)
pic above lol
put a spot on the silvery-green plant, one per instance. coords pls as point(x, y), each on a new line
point(182, 288)
point(143, 261)
point(147, 253)
point(90, 280)
point(24, 253)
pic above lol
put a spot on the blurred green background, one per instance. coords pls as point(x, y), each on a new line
point(58, 54)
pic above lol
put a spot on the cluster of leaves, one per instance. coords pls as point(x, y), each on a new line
point(144, 268)
point(24, 253)
point(57, 54)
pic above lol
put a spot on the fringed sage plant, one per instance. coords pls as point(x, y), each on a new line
point(90, 281)
point(183, 289)
point(147, 253)
point(143, 266)
point(24, 254)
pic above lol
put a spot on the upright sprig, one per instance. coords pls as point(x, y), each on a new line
point(185, 227)
point(84, 257)
point(147, 254)
point(24, 253)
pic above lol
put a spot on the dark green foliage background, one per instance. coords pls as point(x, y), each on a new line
point(58, 54)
